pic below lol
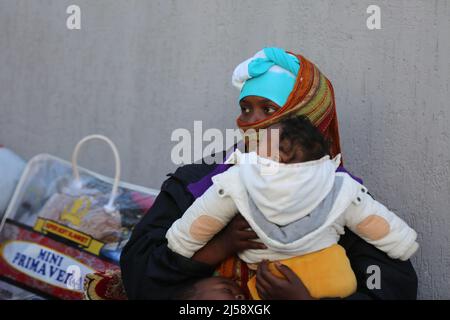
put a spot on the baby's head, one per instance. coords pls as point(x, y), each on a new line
point(213, 288)
point(299, 141)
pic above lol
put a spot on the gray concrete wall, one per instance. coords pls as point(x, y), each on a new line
point(139, 69)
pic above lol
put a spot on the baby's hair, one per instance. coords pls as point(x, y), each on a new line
point(300, 130)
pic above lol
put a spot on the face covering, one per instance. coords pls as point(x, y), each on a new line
point(285, 192)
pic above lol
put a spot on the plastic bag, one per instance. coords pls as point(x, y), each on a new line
point(64, 222)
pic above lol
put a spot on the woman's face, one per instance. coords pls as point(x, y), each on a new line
point(254, 108)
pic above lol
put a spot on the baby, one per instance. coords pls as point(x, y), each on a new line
point(298, 205)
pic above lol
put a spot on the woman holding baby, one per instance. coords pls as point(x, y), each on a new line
point(190, 245)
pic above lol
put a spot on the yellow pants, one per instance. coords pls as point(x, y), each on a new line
point(326, 273)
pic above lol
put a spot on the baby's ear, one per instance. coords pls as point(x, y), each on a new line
point(299, 154)
point(292, 155)
point(283, 157)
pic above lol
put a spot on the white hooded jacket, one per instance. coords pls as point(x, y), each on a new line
point(295, 209)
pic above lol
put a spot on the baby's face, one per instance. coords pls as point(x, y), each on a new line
point(218, 288)
point(270, 146)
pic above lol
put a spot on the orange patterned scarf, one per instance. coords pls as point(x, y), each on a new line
point(312, 96)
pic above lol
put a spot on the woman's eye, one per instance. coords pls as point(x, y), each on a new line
point(245, 110)
point(269, 110)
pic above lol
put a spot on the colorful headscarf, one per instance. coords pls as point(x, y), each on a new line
point(311, 94)
point(270, 73)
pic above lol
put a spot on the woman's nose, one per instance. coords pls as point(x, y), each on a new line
point(257, 115)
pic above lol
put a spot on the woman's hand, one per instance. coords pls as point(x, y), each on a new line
point(271, 287)
point(235, 237)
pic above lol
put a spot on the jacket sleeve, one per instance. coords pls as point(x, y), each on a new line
point(150, 270)
point(380, 227)
point(379, 277)
point(202, 220)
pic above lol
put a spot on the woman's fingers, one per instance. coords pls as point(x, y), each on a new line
point(241, 223)
point(294, 281)
point(262, 285)
point(260, 279)
point(262, 292)
point(288, 273)
point(247, 234)
point(248, 244)
point(244, 234)
point(268, 276)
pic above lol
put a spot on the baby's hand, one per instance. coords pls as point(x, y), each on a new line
point(271, 287)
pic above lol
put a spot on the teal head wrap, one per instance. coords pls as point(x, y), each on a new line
point(271, 74)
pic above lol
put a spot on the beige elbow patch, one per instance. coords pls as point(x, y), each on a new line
point(204, 227)
point(373, 227)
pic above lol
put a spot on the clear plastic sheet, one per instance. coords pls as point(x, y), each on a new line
point(54, 222)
